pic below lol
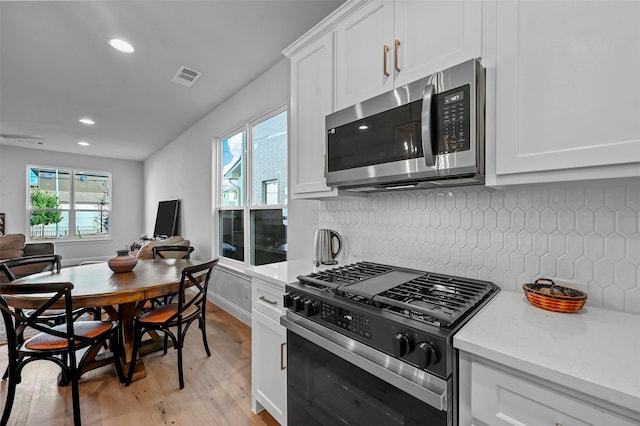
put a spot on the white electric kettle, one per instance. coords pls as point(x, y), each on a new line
point(325, 249)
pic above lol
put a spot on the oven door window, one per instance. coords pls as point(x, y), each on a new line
point(323, 389)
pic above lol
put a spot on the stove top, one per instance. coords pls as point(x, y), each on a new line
point(436, 299)
point(404, 313)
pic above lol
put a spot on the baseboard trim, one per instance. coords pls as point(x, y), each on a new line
point(231, 308)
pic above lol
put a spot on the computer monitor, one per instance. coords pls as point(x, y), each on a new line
point(167, 218)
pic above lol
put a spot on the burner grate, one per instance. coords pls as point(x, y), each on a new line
point(348, 274)
point(437, 299)
point(445, 298)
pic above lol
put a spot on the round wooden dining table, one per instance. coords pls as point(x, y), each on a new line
point(121, 295)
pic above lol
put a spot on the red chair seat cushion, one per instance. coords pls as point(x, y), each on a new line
point(44, 341)
point(163, 313)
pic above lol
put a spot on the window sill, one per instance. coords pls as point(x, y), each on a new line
point(74, 241)
point(234, 268)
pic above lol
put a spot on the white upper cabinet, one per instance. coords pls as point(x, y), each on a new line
point(364, 51)
point(311, 101)
point(435, 35)
point(386, 44)
point(567, 103)
point(312, 98)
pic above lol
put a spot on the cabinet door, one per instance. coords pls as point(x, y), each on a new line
point(311, 101)
point(503, 399)
point(568, 92)
point(364, 52)
point(268, 369)
point(434, 35)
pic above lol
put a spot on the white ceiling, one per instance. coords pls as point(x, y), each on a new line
point(56, 66)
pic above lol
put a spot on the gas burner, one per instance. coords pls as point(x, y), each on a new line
point(421, 304)
point(414, 315)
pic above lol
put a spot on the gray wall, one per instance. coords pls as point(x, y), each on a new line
point(127, 191)
point(187, 169)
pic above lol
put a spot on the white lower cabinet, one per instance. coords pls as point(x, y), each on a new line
point(502, 396)
point(268, 351)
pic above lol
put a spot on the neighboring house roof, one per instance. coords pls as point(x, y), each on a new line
point(234, 173)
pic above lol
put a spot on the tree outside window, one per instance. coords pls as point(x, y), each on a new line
point(44, 216)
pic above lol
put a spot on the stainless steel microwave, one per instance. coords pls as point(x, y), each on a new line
point(429, 133)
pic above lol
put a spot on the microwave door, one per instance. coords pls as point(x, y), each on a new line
point(427, 127)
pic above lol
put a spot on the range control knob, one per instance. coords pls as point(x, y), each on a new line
point(298, 303)
point(426, 354)
point(287, 300)
point(401, 344)
point(311, 308)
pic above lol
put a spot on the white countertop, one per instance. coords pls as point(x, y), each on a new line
point(594, 351)
point(283, 273)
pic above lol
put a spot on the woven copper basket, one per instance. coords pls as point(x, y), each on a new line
point(545, 294)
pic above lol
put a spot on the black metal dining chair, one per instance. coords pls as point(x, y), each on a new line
point(191, 306)
point(50, 263)
point(158, 252)
point(58, 344)
point(12, 268)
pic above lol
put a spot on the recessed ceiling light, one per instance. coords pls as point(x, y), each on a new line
point(83, 143)
point(87, 121)
point(363, 127)
point(121, 45)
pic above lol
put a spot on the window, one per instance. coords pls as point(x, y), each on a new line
point(252, 208)
point(67, 204)
point(270, 192)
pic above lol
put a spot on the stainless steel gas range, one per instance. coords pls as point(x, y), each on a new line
point(373, 344)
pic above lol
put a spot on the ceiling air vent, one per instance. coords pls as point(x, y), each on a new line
point(21, 140)
point(186, 76)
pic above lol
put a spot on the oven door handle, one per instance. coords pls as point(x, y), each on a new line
point(426, 387)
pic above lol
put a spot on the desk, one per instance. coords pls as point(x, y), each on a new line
point(120, 295)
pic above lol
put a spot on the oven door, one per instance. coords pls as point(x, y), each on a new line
point(332, 379)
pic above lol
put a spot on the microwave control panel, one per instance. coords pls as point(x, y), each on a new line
point(454, 120)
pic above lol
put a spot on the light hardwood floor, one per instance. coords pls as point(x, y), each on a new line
point(217, 389)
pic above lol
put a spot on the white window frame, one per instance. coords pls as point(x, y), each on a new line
point(250, 204)
point(72, 210)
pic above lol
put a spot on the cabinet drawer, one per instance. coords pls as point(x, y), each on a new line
point(501, 398)
point(267, 299)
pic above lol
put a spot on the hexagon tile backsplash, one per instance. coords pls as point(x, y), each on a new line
point(585, 235)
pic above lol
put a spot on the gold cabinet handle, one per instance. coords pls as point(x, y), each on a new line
point(385, 50)
point(282, 366)
point(396, 65)
point(271, 302)
point(324, 166)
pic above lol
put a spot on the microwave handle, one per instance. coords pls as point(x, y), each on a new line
point(427, 126)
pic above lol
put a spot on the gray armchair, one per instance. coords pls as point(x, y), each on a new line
point(13, 246)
